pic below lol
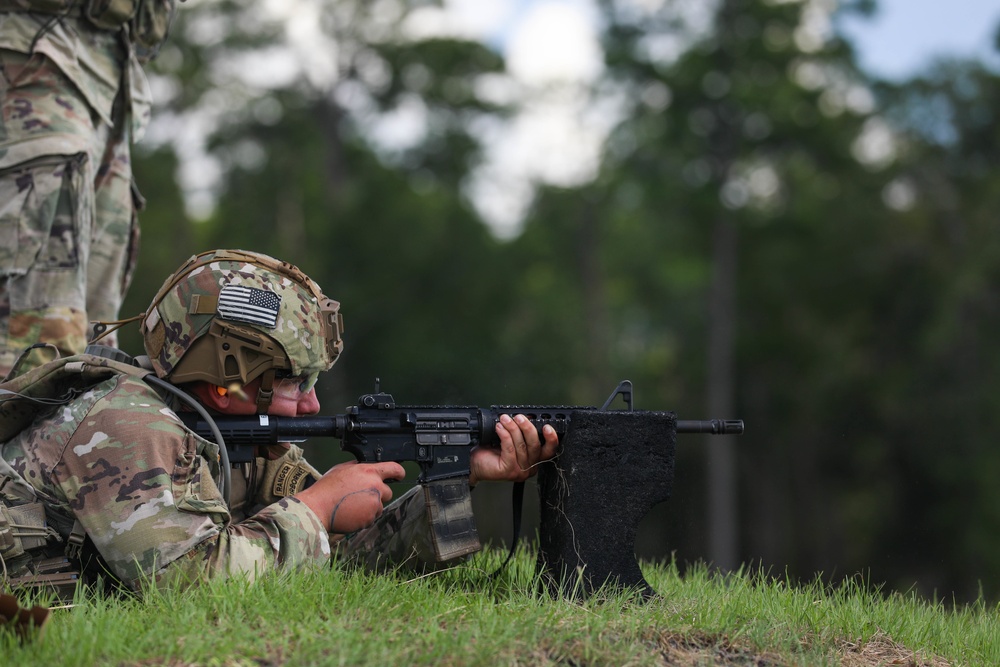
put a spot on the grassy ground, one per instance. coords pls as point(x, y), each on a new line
point(460, 617)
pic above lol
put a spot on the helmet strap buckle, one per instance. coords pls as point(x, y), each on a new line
point(266, 391)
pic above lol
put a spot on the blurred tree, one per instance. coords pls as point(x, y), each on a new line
point(765, 239)
point(341, 143)
point(864, 279)
point(735, 136)
point(942, 525)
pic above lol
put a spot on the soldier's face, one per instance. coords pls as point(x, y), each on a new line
point(292, 398)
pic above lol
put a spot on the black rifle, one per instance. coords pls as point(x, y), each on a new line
point(439, 438)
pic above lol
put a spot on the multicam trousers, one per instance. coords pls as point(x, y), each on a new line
point(68, 230)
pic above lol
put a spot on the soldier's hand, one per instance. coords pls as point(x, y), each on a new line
point(521, 449)
point(350, 495)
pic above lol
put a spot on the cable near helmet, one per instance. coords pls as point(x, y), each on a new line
point(231, 316)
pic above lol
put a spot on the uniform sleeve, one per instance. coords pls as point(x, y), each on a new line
point(147, 500)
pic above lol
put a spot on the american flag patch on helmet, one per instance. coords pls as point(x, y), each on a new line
point(249, 304)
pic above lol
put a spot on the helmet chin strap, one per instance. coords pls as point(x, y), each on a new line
point(266, 391)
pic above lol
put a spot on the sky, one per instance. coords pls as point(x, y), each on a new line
point(557, 139)
point(900, 39)
point(554, 39)
point(906, 34)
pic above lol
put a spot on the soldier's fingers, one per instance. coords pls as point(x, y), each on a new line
point(551, 444)
point(390, 471)
point(380, 487)
point(509, 434)
point(385, 494)
point(539, 446)
point(528, 431)
point(525, 442)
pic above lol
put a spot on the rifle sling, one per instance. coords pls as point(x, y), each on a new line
point(517, 505)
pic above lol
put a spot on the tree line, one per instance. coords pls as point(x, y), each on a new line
point(771, 233)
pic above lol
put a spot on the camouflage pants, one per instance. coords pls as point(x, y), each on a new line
point(429, 527)
point(68, 232)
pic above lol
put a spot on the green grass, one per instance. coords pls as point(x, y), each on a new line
point(460, 617)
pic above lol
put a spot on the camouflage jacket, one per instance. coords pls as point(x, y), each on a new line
point(99, 63)
point(117, 459)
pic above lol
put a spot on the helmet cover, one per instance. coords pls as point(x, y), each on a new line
point(230, 316)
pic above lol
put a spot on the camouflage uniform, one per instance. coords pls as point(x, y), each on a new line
point(73, 97)
point(117, 460)
point(108, 457)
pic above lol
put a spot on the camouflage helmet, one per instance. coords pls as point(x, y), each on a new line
point(231, 316)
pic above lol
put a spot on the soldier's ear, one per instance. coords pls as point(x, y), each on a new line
point(220, 397)
point(212, 396)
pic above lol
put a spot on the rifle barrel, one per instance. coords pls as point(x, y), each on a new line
point(711, 426)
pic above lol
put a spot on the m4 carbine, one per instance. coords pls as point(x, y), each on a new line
point(439, 438)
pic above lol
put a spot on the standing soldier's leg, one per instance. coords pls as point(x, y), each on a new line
point(46, 208)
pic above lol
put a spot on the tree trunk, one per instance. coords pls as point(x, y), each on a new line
point(723, 528)
point(596, 317)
